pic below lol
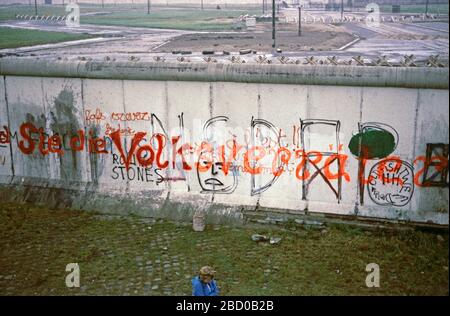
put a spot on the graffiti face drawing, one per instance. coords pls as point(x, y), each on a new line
point(211, 172)
point(214, 180)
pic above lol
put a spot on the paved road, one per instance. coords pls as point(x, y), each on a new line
point(399, 39)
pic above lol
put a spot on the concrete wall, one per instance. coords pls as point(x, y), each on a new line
point(288, 112)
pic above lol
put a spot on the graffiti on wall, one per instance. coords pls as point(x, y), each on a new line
point(215, 173)
point(330, 156)
point(374, 141)
point(391, 182)
point(266, 138)
point(4, 137)
point(134, 172)
point(435, 173)
point(316, 155)
point(4, 143)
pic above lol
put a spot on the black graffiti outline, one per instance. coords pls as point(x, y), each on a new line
point(233, 168)
point(406, 200)
point(361, 165)
point(429, 181)
point(272, 127)
point(306, 183)
point(380, 127)
point(155, 121)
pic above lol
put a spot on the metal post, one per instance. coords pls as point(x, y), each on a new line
point(103, 3)
point(426, 8)
point(274, 46)
point(35, 7)
point(342, 10)
point(202, 4)
point(148, 6)
point(299, 20)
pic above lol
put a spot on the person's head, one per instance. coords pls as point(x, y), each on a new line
point(206, 274)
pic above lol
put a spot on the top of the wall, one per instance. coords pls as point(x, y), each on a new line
point(401, 77)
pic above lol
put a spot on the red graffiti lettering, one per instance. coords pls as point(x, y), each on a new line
point(419, 173)
point(180, 151)
point(97, 145)
point(4, 136)
point(161, 139)
point(115, 136)
point(302, 172)
point(226, 162)
point(27, 145)
point(205, 158)
point(250, 156)
point(94, 117)
point(442, 164)
point(55, 144)
point(44, 151)
point(134, 116)
point(342, 159)
point(77, 141)
point(284, 158)
point(143, 161)
point(124, 131)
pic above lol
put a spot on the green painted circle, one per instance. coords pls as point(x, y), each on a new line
point(372, 144)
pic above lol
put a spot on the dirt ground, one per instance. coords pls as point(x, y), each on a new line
point(314, 37)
